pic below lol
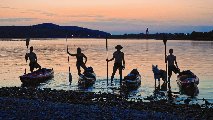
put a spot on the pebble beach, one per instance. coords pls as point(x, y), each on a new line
point(32, 103)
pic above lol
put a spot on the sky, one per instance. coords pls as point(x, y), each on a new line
point(113, 16)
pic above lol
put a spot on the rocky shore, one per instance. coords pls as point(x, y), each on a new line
point(32, 103)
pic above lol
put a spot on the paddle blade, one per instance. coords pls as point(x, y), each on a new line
point(70, 78)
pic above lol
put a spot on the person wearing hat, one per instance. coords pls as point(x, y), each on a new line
point(119, 63)
point(171, 67)
point(80, 62)
point(33, 60)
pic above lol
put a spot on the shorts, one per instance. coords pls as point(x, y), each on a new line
point(117, 66)
point(34, 65)
point(174, 69)
point(80, 64)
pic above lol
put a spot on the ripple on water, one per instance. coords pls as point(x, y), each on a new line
point(140, 54)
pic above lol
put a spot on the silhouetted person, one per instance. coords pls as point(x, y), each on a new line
point(80, 62)
point(33, 59)
point(119, 61)
point(171, 67)
point(147, 31)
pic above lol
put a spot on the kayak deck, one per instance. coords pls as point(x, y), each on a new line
point(37, 77)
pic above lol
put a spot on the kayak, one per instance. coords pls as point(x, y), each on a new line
point(132, 80)
point(88, 78)
point(38, 76)
point(187, 82)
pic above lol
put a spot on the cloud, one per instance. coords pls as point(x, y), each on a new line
point(16, 19)
point(85, 16)
point(41, 12)
point(118, 21)
point(29, 11)
point(7, 7)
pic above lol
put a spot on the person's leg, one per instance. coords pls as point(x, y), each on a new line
point(169, 71)
point(31, 67)
point(113, 73)
point(176, 70)
point(83, 66)
point(78, 68)
point(37, 66)
point(120, 72)
point(169, 76)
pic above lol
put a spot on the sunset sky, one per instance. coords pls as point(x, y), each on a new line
point(113, 16)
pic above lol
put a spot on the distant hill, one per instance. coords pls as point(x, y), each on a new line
point(49, 30)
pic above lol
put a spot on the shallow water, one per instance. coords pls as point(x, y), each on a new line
point(141, 54)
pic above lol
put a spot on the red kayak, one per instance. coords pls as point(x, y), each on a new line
point(37, 77)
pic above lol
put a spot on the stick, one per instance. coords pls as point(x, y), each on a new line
point(107, 61)
point(68, 59)
point(164, 41)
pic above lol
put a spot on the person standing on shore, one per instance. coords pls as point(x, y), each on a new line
point(33, 60)
point(119, 62)
point(171, 67)
point(80, 62)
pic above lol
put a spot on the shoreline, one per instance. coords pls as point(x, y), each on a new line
point(24, 39)
point(159, 108)
point(18, 108)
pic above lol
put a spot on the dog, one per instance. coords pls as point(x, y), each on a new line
point(158, 74)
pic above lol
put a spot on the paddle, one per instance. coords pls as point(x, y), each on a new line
point(107, 61)
point(164, 41)
point(68, 59)
point(26, 56)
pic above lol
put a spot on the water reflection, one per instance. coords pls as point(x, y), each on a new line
point(52, 54)
point(202, 44)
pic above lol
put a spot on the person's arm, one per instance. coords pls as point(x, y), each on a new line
point(110, 59)
point(85, 58)
point(26, 57)
point(70, 53)
point(176, 62)
point(123, 60)
point(35, 57)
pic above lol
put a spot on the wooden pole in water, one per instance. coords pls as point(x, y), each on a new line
point(107, 62)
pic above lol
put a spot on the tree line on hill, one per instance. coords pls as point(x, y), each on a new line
point(50, 30)
point(176, 36)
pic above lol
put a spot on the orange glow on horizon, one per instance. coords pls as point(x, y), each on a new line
point(81, 12)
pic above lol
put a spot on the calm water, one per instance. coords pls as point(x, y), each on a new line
point(140, 54)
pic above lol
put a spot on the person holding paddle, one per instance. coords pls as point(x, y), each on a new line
point(33, 60)
point(80, 62)
point(171, 67)
point(119, 62)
